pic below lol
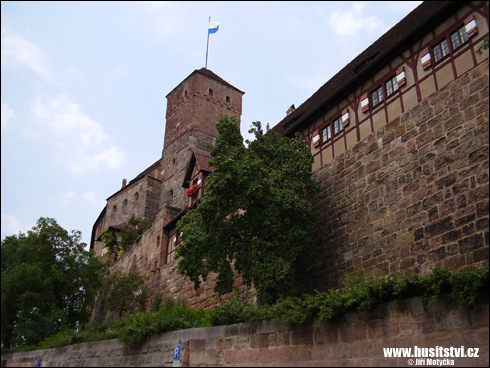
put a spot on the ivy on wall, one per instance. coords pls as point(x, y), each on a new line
point(119, 241)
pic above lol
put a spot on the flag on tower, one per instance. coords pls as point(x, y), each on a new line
point(213, 27)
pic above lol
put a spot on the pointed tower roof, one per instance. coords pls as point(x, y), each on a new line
point(209, 74)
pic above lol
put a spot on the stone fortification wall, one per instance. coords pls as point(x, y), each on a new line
point(149, 257)
point(413, 194)
point(345, 341)
point(410, 196)
point(140, 199)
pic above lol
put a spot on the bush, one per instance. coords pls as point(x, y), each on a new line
point(360, 293)
point(173, 315)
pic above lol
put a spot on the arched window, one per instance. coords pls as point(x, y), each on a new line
point(158, 241)
point(124, 206)
point(114, 210)
point(170, 197)
point(135, 199)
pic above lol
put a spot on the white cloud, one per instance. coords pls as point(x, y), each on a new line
point(165, 19)
point(7, 115)
point(80, 143)
point(12, 226)
point(119, 71)
point(92, 200)
point(17, 52)
point(65, 199)
point(352, 21)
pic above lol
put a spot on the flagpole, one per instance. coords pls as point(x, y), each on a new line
point(207, 46)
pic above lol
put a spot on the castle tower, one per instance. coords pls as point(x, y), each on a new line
point(193, 110)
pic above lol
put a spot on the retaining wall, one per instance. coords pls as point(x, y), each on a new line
point(345, 341)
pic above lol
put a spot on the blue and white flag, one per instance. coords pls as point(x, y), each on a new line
point(213, 27)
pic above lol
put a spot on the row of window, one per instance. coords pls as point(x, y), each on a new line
point(391, 86)
point(457, 39)
point(449, 43)
point(124, 206)
point(440, 50)
point(336, 126)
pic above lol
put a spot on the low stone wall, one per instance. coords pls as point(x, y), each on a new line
point(347, 340)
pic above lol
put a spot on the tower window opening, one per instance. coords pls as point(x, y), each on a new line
point(227, 98)
point(211, 92)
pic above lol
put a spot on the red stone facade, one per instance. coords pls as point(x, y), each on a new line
point(157, 194)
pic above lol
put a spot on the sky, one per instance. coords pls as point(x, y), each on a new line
point(84, 85)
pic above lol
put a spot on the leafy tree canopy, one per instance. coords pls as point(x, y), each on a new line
point(255, 216)
point(48, 281)
point(124, 291)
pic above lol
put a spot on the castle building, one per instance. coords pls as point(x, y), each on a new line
point(399, 138)
point(158, 192)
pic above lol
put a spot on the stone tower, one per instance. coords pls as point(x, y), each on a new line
point(193, 109)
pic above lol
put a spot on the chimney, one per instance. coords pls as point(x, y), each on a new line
point(291, 109)
point(123, 183)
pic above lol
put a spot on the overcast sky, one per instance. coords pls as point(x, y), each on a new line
point(84, 85)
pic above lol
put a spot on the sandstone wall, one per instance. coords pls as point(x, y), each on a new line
point(413, 194)
point(345, 341)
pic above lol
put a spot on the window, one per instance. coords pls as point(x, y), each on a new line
point(173, 243)
point(210, 92)
point(441, 50)
point(124, 206)
point(337, 125)
point(228, 99)
point(459, 37)
point(391, 86)
point(170, 197)
point(377, 96)
point(326, 133)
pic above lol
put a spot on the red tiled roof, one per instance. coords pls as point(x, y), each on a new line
point(202, 161)
point(428, 14)
point(199, 159)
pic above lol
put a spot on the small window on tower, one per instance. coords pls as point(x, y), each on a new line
point(210, 92)
point(227, 98)
point(185, 93)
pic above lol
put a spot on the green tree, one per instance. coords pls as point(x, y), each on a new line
point(255, 215)
point(124, 292)
point(48, 282)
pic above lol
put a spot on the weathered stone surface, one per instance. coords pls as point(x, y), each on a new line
point(343, 341)
point(434, 188)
